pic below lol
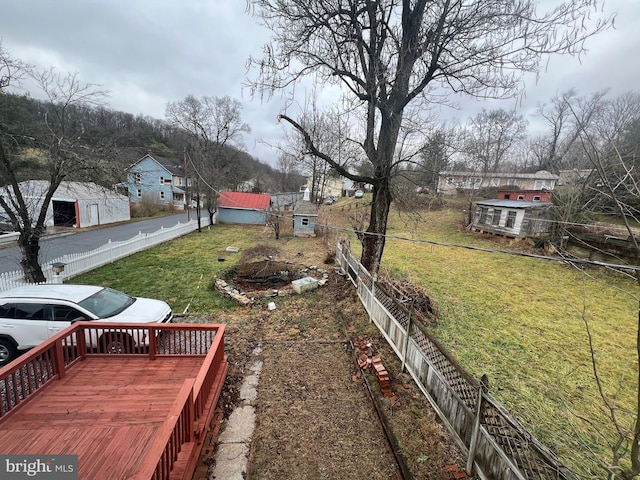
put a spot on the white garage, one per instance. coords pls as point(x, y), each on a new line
point(77, 204)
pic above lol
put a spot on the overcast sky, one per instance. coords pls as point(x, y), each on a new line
point(150, 52)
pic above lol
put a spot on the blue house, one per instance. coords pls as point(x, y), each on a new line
point(246, 208)
point(158, 181)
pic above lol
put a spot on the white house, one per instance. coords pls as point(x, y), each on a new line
point(450, 182)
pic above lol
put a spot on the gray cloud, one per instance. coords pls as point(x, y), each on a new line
point(150, 52)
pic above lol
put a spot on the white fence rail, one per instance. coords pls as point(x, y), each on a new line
point(78, 263)
point(496, 445)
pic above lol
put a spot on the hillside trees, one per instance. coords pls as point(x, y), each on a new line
point(390, 56)
point(52, 151)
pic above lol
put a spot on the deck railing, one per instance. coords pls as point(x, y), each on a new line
point(27, 375)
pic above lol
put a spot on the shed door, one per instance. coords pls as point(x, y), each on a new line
point(93, 214)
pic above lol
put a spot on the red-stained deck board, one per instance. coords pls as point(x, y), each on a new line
point(106, 410)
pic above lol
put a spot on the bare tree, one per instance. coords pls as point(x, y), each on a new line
point(613, 160)
point(289, 178)
point(387, 55)
point(491, 136)
point(60, 150)
point(213, 124)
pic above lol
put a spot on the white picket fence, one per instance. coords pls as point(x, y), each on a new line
point(78, 263)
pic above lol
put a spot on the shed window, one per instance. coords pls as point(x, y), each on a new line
point(483, 215)
point(536, 198)
point(497, 213)
point(520, 197)
point(507, 196)
point(304, 221)
point(511, 219)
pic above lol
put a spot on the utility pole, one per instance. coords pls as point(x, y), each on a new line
point(186, 184)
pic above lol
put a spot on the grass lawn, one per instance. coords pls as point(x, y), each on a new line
point(518, 320)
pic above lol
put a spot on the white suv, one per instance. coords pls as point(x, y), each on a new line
point(31, 314)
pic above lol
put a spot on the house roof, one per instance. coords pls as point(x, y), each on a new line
point(542, 174)
point(499, 202)
point(306, 208)
point(67, 190)
point(241, 200)
point(171, 166)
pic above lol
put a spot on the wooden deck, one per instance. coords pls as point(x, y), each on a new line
point(137, 415)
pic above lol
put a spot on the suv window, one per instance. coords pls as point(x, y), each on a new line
point(29, 311)
point(7, 310)
point(64, 313)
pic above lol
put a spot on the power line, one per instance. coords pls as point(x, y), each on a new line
point(575, 261)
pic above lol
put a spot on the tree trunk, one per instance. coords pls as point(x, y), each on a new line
point(29, 243)
point(374, 238)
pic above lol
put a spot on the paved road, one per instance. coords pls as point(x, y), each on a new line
point(84, 241)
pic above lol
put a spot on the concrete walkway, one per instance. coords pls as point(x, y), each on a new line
point(234, 443)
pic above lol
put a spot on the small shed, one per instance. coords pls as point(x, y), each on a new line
point(244, 208)
point(512, 218)
point(304, 220)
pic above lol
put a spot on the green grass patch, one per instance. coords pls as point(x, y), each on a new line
point(520, 321)
point(182, 271)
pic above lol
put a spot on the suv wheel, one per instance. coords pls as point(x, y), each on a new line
point(7, 351)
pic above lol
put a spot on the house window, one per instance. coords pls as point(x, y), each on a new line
point(137, 178)
point(520, 197)
point(507, 196)
point(139, 193)
point(161, 180)
point(304, 221)
point(497, 213)
point(167, 181)
point(511, 219)
point(495, 182)
point(536, 198)
point(161, 195)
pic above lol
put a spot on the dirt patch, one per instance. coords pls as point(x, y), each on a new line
point(315, 418)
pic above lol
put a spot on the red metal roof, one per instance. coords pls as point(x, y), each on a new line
point(257, 201)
